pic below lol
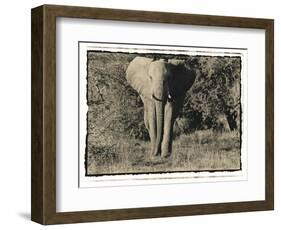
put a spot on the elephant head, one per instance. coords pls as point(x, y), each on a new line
point(162, 85)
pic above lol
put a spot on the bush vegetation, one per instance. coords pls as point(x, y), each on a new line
point(207, 129)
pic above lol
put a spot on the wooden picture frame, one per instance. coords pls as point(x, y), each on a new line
point(43, 189)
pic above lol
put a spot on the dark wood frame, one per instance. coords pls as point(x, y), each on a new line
point(43, 160)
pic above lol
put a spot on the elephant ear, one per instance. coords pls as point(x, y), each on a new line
point(182, 77)
point(137, 75)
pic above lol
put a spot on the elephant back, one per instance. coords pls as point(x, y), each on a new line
point(137, 75)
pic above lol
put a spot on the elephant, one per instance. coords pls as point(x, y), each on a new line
point(162, 85)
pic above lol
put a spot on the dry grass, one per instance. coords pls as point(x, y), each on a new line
point(199, 151)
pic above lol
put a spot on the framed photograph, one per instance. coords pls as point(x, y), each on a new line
point(141, 114)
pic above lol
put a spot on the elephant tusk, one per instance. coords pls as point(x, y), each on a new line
point(170, 98)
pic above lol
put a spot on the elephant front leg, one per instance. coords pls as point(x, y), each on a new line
point(150, 123)
point(166, 147)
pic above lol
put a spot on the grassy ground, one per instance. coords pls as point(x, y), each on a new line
point(199, 151)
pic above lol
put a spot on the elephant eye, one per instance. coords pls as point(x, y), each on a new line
point(150, 77)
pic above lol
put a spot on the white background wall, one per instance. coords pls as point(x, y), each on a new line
point(15, 113)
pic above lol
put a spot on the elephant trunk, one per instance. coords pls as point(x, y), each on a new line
point(159, 126)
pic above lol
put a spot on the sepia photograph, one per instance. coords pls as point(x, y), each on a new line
point(159, 111)
point(139, 114)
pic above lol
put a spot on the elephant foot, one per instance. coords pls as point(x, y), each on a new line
point(166, 154)
point(154, 158)
point(166, 151)
point(155, 154)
